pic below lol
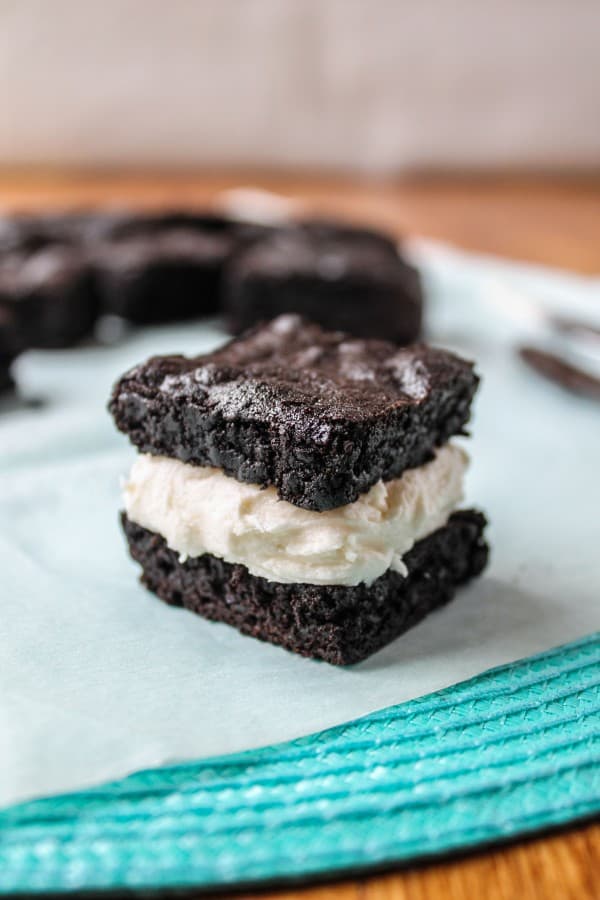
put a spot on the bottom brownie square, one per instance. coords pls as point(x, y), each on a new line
point(340, 625)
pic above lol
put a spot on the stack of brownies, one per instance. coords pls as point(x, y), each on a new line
point(302, 485)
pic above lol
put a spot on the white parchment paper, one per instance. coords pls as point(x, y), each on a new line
point(99, 678)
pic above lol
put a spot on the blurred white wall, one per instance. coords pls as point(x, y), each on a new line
point(373, 85)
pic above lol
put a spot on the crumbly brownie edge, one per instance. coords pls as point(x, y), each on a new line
point(340, 625)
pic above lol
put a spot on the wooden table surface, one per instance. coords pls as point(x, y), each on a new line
point(547, 220)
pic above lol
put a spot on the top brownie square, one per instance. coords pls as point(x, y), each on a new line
point(319, 415)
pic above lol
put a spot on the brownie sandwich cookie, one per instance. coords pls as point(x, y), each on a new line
point(334, 274)
point(301, 485)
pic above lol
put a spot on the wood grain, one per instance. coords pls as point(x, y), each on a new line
point(563, 867)
point(547, 220)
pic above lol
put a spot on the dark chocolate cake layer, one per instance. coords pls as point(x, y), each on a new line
point(319, 415)
point(340, 625)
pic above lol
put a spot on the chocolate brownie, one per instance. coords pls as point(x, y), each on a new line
point(6, 382)
point(320, 415)
point(138, 224)
point(340, 277)
point(29, 232)
point(11, 342)
point(48, 298)
point(340, 625)
point(22, 233)
point(161, 267)
point(322, 229)
point(26, 233)
point(11, 234)
point(78, 228)
point(149, 267)
point(162, 276)
point(10, 347)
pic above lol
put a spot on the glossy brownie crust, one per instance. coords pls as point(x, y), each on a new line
point(345, 278)
point(319, 415)
point(341, 625)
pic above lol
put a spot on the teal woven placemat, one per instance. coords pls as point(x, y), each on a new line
point(512, 751)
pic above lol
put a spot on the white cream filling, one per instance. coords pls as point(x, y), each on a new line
point(201, 510)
